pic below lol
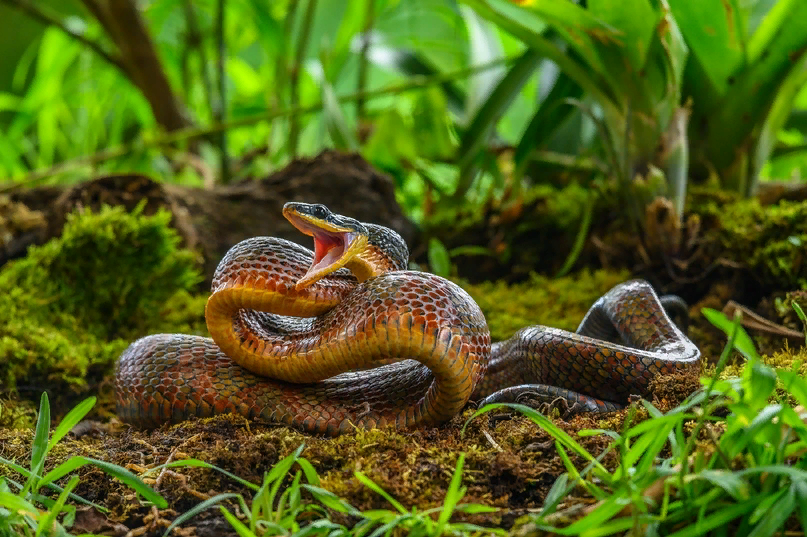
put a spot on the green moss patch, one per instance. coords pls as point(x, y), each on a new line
point(560, 303)
point(72, 305)
point(770, 241)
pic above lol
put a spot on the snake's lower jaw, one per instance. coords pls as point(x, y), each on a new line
point(306, 281)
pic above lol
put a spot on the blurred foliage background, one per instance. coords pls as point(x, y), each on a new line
point(460, 102)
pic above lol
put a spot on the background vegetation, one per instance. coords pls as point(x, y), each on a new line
point(457, 100)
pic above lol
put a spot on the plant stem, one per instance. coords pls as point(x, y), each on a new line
point(220, 113)
point(190, 133)
point(124, 23)
point(294, 82)
point(196, 40)
point(364, 62)
point(51, 19)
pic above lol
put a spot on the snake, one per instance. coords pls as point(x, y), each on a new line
point(346, 337)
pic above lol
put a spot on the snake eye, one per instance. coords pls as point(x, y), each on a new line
point(320, 211)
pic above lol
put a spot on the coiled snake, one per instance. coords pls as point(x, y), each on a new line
point(295, 332)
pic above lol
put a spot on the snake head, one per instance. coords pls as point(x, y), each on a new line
point(337, 239)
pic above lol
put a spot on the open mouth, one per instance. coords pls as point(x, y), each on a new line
point(330, 247)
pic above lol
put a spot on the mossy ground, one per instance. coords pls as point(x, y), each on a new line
point(60, 340)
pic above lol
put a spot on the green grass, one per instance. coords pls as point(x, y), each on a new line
point(274, 513)
point(725, 462)
point(20, 512)
point(728, 461)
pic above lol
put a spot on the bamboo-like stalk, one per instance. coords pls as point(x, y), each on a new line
point(294, 79)
point(220, 113)
point(192, 133)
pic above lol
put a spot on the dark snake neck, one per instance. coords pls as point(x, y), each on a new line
point(386, 251)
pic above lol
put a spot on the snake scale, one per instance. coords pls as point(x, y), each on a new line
point(346, 337)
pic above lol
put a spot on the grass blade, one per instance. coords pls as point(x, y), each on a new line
point(742, 341)
point(50, 517)
point(453, 496)
point(39, 448)
point(198, 508)
point(237, 525)
point(544, 423)
point(369, 483)
point(72, 418)
point(341, 135)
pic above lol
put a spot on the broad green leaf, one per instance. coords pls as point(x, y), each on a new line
point(246, 80)
point(348, 38)
point(753, 91)
point(713, 36)
point(485, 47)
point(392, 144)
point(776, 497)
point(604, 512)
point(432, 126)
point(282, 467)
point(777, 117)
point(800, 490)
point(484, 121)
point(553, 111)
point(16, 504)
point(795, 384)
point(410, 64)
point(526, 25)
point(309, 471)
point(439, 260)
point(474, 508)
point(636, 21)
point(759, 381)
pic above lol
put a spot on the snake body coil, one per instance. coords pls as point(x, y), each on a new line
point(294, 333)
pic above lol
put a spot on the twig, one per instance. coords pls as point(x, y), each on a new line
point(124, 24)
point(196, 41)
point(220, 112)
point(51, 19)
point(364, 62)
point(294, 80)
point(191, 133)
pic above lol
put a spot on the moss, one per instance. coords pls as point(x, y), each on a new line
point(72, 305)
point(17, 414)
point(560, 303)
point(770, 241)
point(785, 358)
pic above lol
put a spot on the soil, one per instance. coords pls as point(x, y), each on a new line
point(212, 220)
point(510, 463)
